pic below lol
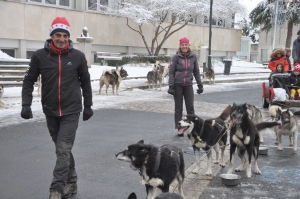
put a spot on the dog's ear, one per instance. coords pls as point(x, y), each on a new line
point(132, 196)
point(141, 142)
point(234, 104)
point(245, 105)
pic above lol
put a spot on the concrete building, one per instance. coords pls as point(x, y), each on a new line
point(265, 46)
point(25, 27)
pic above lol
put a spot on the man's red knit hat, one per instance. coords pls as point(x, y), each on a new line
point(184, 40)
point(60, 24)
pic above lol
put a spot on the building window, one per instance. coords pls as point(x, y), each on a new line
point(29, 54)
point(10, 52)
point(66, 3)
point(214, 22)
point(95, 4)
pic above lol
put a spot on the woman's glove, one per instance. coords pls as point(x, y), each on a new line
point(87, 113)
point(26, 112)
point(200, 89)
point(171, 90)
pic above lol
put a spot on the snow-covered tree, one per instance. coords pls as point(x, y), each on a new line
point(167, 16)
point(248, 30)
point(263, 16)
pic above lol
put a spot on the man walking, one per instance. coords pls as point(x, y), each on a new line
point(296, 49)
point(64, 73)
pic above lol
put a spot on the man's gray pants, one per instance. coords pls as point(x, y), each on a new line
point(63, 130)
point(186, 92)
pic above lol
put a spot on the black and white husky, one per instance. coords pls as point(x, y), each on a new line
point(206, 134)
point(158, 166)
point(244, 137)
point(161, 196)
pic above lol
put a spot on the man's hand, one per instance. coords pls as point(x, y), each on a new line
point(26, 112)
point(87, 113)
point(171, 90)
point(200, 89)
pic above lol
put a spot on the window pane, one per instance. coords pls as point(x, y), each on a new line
point(104, 2)
point(37, 1)
point(64, 2)
point(10, 52)
point(92, 4)
point(50, 1)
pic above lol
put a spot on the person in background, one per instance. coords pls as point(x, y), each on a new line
point(294, 80)
point(183, 66)
point(288, 54)
point(64, 73)
point(296, 49)
point(278, 55)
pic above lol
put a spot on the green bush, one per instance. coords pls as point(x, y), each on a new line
point(138, 59)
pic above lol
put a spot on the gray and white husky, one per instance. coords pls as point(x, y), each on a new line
point(256, 116)
point(289, 126)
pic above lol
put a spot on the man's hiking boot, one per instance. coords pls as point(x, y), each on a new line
point(55, 195)
point(69, 189)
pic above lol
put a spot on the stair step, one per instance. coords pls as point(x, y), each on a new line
point(11, 78)
point(14, 67)
point(11, 84)
point(14, 61)
point(12, 72)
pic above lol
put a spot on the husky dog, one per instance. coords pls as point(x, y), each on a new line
point(2, 104)
point(256, 117)
point(161, 196)
point(112, 77)
point(153, 77)
point(163, 71)
point(209, 74)
point(289, 126)
point(158, 167)
point(244, 137)
point(206, 134)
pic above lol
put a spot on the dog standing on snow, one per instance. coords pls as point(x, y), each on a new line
point(2, 104)
point(112, 77)
point(209, 74)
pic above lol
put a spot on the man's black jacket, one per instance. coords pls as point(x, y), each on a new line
point(62, 77)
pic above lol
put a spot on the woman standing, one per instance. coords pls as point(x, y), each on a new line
point(183, 67)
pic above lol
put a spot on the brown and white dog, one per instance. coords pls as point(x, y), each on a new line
point(209, 74)
point(163, 70)
point(2, 104)
point(112, 77)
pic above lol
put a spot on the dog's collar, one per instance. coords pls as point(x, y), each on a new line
point(155, 168)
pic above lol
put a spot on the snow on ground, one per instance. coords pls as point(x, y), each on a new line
point(127, 91)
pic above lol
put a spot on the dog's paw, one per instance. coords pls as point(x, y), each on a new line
point(280, 149)
point(222, 165)
point(238, 170)
point(216, 162)
point(276, 143)
point(295, 148)
point(257, 171)
point(208, 173)
point(195, 171)
point(249, 175)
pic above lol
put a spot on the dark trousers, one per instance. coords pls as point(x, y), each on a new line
point(187, 93)
point(63, 130)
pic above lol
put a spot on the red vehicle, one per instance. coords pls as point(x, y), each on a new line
point(278, 81)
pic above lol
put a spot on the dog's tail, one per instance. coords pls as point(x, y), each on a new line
point(226, 113)
point(264, 125)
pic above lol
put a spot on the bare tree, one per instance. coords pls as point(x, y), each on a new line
point(167, 16)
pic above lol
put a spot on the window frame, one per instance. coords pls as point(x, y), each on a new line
point(57, 3)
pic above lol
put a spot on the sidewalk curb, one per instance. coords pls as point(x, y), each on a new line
point(195, 184)
point(206, 82)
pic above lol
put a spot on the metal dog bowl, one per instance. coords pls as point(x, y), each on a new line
point(230, 179)
point(263, 150)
